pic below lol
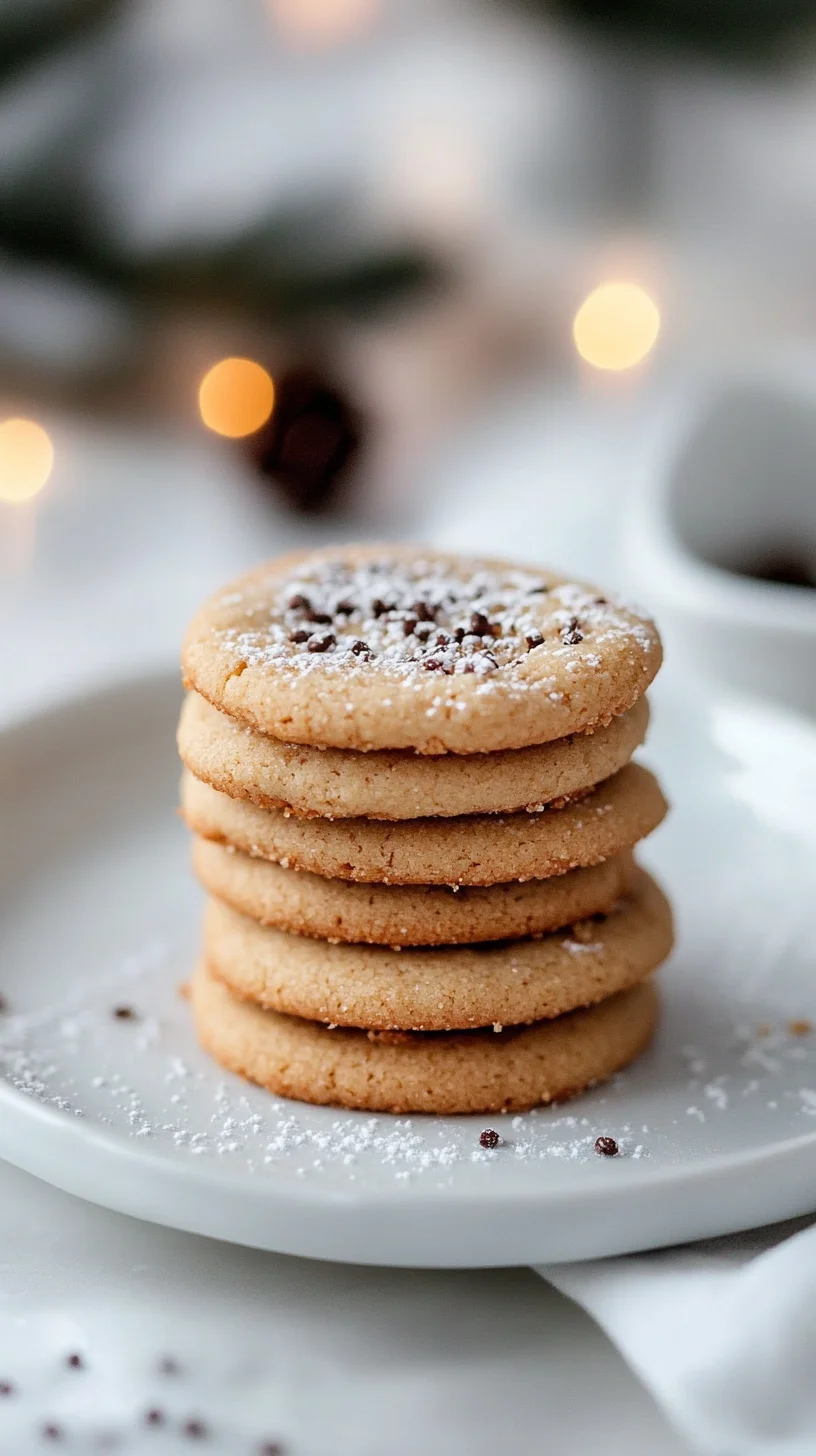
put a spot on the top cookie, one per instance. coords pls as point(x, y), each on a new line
point(371, 647)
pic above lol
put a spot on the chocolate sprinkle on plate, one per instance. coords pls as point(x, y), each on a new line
point(489, 1138)
point(124, 1013)
point(195, 1429)
point(6, 1387)
point(301, 635)
point(155, 1418)
point(75, 1362)
point(607, 1147)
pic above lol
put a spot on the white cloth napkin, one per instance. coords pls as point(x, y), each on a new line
point(723, 1334)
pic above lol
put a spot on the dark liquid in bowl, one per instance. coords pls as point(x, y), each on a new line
point(787, 568)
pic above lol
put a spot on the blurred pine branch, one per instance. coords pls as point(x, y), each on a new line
point(755, 31)
point(303, 256)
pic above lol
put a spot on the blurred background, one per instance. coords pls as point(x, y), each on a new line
point(280, 271)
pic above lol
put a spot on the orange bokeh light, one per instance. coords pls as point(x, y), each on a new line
point(235, 397)
point(322, 22)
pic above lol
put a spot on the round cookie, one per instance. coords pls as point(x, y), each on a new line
point(477, 1071)
point(400, 915)
point(442, 990)
point(336, 783)
point(380, 647)
point(483, 849)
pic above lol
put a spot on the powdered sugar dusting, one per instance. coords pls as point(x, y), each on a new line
point(144, 1078)
point(414, 616)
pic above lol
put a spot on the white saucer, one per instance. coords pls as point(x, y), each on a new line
point(99, 910)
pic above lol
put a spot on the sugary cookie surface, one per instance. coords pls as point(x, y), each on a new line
point(385, 647)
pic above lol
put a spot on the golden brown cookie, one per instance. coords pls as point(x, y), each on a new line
point(442, 989)
point(484, 849)
point(342, 911)
point(380, 647)
point(336, 783)
point(478, 1071)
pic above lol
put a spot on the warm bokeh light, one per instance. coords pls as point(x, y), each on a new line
point(26, 458)
point(236, 397)
point(616, 326)
point(322, 22)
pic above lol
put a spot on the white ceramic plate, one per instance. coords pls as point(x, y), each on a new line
point(98, 910)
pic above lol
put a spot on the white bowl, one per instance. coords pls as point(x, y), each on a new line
point(730, 477)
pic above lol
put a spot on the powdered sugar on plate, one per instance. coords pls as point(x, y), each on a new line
point(117, 1050)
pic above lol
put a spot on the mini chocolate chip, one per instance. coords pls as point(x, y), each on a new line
point(125, 1013)
point(536, 591)
point(571, 635)
point(6, 1387)
point(321, 644)
point(299, 603)
point(479, 624)
point(489, 1138)
point(607, 1147)
point(601, 601)
point(408, 625)
point(423, 631)
point(458, 634)
point(424, 612)
point(379, 607)
point(441, 639)
point(155, 1417)
point(357, 646)
point(432, 664)
point(169, 1366)
point(74, 1362)
point(196, 1430)
point(534, 639)
point(52, 1432)
point(344, 608)
point(301, 635)
point(321, 619)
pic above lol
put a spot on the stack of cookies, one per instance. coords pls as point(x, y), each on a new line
point(409, 779)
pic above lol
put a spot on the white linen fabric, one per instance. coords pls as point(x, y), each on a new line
point(722, 1333)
